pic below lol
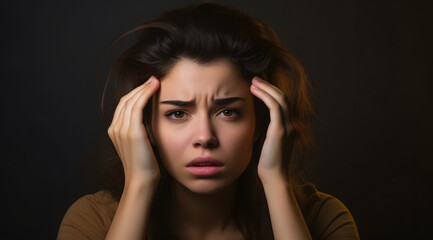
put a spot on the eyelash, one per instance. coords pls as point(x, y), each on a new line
point(235, 111)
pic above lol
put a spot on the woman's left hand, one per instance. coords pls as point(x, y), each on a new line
point(286, 216)
point(272, 155)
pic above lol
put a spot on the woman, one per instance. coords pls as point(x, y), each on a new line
point(210, 128)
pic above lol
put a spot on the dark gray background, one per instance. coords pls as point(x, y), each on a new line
point(370, 64)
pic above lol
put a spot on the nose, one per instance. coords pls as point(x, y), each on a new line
point(204, 134)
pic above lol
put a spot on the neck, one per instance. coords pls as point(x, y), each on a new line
point(201, 214)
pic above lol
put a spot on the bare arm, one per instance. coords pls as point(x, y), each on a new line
point(142, 173)
point(286, 216)
point(132, 214)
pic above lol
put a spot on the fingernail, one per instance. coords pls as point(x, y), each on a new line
point(154, 80)
point(150, 80)
point(257, 79)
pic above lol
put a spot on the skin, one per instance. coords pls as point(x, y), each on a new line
point(224, 132)
point(286, 216)
point(202, 208)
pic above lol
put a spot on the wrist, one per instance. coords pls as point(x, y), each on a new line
point(137, 183)
point(273, 177)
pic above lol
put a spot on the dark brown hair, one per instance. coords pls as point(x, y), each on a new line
point(204, 32)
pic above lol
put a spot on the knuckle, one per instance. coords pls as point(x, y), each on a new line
point(117, 131)
point(127, 103)
point(124, 98)
point(110, 131)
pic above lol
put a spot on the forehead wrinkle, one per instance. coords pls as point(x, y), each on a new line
point(218, 81)
point(194, 93)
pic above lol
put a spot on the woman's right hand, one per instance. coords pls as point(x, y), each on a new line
point(129, 136)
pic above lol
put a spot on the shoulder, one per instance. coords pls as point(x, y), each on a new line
point(89, 217)
point(326, 216)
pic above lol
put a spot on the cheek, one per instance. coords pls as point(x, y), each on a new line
point(172, 143)
point(238, 141)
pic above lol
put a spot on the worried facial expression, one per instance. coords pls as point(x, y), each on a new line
point(204, 110)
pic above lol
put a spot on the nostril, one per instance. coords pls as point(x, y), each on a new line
point(210, 143)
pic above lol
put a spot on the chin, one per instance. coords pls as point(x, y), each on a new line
point(206, 186)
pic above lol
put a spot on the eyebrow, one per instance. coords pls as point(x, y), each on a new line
point(221, 101)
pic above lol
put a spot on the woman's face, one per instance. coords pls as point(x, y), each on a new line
point(204, 111)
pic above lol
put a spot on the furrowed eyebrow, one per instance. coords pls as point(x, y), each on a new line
point(222, 101)
point(178, 103)
point(226, 101)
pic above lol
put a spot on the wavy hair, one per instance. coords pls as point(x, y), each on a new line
point(204, 32)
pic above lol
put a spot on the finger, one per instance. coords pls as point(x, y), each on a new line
point(126, 116)
point(129, 129)
point(142, 99)
point(125, 98)
point(276, 123)
point(275, 92)
point(117, 125)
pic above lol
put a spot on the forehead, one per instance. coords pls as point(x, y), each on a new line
point(188, 79)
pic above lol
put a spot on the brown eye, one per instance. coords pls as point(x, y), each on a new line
point(231, 113)
point(228, 112)
point(176, 115)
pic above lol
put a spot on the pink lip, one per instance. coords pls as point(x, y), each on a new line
point(204, 160)
point(204, 170)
